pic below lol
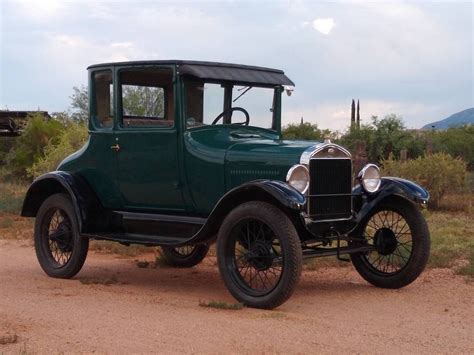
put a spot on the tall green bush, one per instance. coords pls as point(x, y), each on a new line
point(457, 141)
point(384, 137)
point(72, 138)
point(29, 147)
point(305, 131)
point(439, 173)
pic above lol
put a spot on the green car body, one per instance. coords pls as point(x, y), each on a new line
point(159, 175)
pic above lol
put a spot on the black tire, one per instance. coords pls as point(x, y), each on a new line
point(60, 249)
point(187, 256)
point(393, 264)
point(268, 245)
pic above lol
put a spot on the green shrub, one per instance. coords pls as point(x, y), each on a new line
point(384, 137)
point(29, 147)
point(439, 173)
point(71, 139)
point(457, 141)
point(305, 131)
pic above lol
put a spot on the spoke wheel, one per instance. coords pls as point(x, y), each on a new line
point(390, 234)
point(259, 255)
point(57, 236)
point(401, 244)
point(60, 249)
point(256, 260)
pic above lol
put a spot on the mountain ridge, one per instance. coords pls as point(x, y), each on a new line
point(456, 119)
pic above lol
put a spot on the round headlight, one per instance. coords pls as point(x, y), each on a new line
point(298, 177)
point(370, 177)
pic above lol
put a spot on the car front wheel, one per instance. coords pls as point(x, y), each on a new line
point(60, 249)
point(398, 232)
point(259, 255)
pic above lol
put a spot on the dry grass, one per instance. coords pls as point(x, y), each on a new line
point(274, 315)
point(451, 240)
point(8, 339)
point(462, 202)
point(142, 264)
point(222, 305)
point(12, 226)
point(104, 246)
point(11, 197)
point(107, 281)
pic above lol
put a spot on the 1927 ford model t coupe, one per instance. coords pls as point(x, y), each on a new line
point(182, 154)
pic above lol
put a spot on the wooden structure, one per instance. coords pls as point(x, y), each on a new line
point(13, 122)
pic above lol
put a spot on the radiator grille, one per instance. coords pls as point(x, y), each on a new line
point(330, 188)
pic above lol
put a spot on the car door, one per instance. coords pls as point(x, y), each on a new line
point(98, 161)
point(147, 135)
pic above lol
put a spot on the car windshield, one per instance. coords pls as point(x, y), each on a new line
point(216, 103)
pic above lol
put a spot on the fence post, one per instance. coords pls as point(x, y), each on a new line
point(360, 156)
point(403, 155)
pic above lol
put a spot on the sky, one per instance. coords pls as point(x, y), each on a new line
point(414, 59)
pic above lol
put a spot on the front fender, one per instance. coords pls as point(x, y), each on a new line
point(364, 202)
point(276, 192)
point(85, 202)
point(281, 191)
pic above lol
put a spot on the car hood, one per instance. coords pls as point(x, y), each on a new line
point(255, 159)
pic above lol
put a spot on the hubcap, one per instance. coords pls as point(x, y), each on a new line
point(259, 256)
point(385, 241)
point(390, 235)
point(62, 237)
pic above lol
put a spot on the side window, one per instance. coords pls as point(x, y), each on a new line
point(147, 97)
point(102, 108)
point(204, 102)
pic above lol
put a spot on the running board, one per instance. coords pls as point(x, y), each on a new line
point(152, 229)
point(143, 239)
point(317, 252)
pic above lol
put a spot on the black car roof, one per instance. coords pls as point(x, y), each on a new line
point(245, 74)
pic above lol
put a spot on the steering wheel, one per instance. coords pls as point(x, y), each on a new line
point(232, 109)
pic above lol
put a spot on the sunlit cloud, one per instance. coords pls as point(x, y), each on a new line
point(324, 25)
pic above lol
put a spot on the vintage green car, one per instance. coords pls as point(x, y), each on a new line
point(182, 154)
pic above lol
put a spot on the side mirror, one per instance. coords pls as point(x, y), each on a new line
point(289, 89)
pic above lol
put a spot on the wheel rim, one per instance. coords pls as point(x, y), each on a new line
point(184, 251)
point(254, 257)
point(390, 235)
point(57, 237)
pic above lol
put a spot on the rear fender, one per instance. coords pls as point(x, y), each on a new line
point(86, 205)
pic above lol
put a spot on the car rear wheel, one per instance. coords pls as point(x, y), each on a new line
point(398, 231)
point(259, 255)
point(185, 256)
point(60, 249)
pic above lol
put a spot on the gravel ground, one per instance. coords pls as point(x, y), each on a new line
point(112, 306)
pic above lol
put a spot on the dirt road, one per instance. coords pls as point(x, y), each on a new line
point(157, 310)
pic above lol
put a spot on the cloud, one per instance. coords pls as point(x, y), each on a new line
point(411, 58)
point(324, 25)
point(39, 11)
point(76, 50)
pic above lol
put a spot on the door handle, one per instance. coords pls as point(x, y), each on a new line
point(115, 147)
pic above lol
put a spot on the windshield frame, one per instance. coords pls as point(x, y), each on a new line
point(228, 87)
